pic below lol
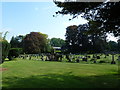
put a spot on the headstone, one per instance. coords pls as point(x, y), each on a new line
point(42, 58)
point(94, 61)
point(30, 57)
point(98, 57)
point(102, 62)
point(77, 60)
point(88, 56)
point(84, 59)
point(107, 54)
point(68, 58)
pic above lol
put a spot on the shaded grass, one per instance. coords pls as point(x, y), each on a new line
point(40, 74)
point(62, 81)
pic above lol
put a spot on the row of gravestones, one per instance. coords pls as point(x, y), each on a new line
point(59, 57)
point(29, 56)
point(52, 57)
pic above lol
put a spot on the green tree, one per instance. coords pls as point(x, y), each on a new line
point(14, 52)
point(72, 38)
point(5, 48)
point(78, 41)
point(16, 42)
point(57, 42)
point(113, 46)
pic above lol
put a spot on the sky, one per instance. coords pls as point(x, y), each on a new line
point(21, 18)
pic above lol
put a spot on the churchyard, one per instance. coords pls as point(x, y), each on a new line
point(37, 73)
point(37, 53)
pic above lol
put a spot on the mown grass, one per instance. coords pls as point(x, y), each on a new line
point(45, 74)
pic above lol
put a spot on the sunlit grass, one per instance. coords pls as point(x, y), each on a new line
point(46, 74)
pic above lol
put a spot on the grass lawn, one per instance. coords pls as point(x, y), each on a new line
point(46, 74)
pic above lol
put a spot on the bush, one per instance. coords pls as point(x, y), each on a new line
point(5, 49)
point(14, 52)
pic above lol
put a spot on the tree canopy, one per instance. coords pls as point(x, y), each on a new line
point(105, 14)
point(78, 41)
point(4, 47)
point(16, 42)
point(35, 42)
point(57, 42)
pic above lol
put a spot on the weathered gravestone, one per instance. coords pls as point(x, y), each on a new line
point(98, 57)
point(77, 60)
point(68, 58)
point(42, 58)
point(102, 61)
point(84, 59)
point(92, 59)
point(88, 56)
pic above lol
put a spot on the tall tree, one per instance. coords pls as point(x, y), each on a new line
point(77, 40)
point(4, 47)
point(72, 38)
point(35, 42)
point(16, 42)
point(57, 42)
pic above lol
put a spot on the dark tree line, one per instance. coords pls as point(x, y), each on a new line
point(103, 18)
point(77, 41)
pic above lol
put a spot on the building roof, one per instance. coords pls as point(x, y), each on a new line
point(56, 47)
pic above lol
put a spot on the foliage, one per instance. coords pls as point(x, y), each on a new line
point(5, 35)
point(113, 46)
point(48, 47)
point(14, 52)
point(16, 42)
point(5, 49)
point(72, 38)
point(35, 42)
point(57, 42)
point(105, 14)
point(77, 41)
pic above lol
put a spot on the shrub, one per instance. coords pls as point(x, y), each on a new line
point(14, 52)
point(5, 49)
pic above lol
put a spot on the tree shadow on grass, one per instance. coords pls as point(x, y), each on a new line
point(66, 80)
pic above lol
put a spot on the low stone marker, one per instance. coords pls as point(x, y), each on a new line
point(77, 60)
point(98, 57)
point(84, 59)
